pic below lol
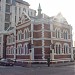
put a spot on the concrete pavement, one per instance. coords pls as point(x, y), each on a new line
point(51, 65)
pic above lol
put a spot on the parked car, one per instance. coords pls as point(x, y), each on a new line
point(6, 62)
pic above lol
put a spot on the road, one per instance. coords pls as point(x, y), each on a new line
point(44, 70)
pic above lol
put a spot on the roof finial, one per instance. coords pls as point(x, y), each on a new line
point(39, 6)
point(39, 10)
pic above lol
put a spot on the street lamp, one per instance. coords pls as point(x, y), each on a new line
point(51, 51)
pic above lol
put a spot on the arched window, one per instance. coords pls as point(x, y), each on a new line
point(58, 48)
point(66, 48)
point(19, 35)
point(58, 32)
point(12, 50)
point(26, 51)
point(19, 49)
point(65, 34)
point(25, 34)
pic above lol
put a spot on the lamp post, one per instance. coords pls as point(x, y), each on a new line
point(29, 48)
point(50, 57)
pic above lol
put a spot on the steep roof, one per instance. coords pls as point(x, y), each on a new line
point(23, 2)
point(59, 18)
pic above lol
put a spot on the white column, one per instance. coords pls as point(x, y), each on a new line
point(32, 53)
point(43, 57)
point(71, 44)
point(52, 54)
point(72, 53)
point(15, 43)
point(2, 47)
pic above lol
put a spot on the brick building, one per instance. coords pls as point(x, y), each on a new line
point(50, 36)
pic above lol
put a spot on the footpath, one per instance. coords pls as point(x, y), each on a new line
point(53, 65)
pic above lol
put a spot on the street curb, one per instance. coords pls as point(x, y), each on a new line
point(53, 65)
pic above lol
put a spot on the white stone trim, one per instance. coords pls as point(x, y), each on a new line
point(43, 57)
point(24, 25)
point(32, 53)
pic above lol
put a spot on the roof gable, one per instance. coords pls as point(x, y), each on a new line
point(24, 18)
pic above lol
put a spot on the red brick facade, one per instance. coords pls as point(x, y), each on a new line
point(42, 38)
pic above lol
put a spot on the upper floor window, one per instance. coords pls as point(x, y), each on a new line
point(26, 33)
point(28, 12)
point(19, 11)
point(6, 26)
point(31, 12)
point(57, 31)
point(65, 35)
point(19, 35)
point(7, 17)
point(8, 1)
point(7, 8)
point(24, 9)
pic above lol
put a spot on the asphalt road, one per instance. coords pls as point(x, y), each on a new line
point(17, 70)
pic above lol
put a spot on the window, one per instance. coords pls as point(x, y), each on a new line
point(24, 9)
point(58, 49)
point(69, 50)
point(57, 31)
point(13, 2)
point(26, 33)
point(58, 34)
point(6, 26)
point(26, 51)
point(8, 1)
point(65, 35)
point(31, 13)
point(7, 50)
point(66, 48)
point(20, 35)
point(7, 8)
point(19, 11)
point(20, 49)
point(12, 50)
point(7, 17)
point(28, 12)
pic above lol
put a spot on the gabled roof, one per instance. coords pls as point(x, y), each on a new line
point(24, 18)
point(59, 18)
point(23, 2)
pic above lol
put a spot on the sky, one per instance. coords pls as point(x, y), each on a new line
point(53, 7)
